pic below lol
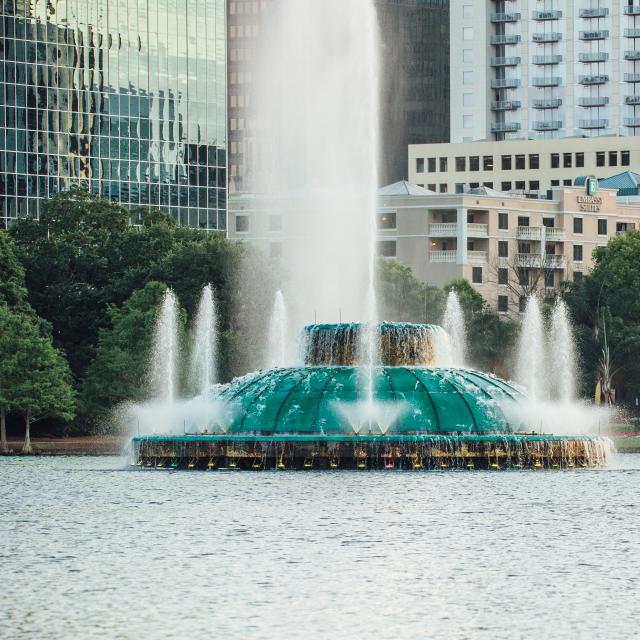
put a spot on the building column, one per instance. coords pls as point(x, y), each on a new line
point(461, 257)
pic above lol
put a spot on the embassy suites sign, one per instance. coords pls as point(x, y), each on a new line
point(590, 203)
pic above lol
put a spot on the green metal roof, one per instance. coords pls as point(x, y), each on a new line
point(627, 183)
point(407, 400)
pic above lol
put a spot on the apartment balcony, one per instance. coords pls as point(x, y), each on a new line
point(543, 60)
point(547, 37)
point(632, 33)
point(547, 125)
point(506, 105)
point(443, 256)
point(547, 15)
point(528, 233)
point(593, 124)
point(600, 34)
point(477, 257)
point(596, 56)
point(505, 127)
point(443, 230)
point(632, 55)
point(632, 122)
point(506, 61)
point(552, 103)
point(632, 77)
point(632, 100)
point(505, 17)
point(551, 261)
point(597, 101)
point(633, 10)
point(599, 79)
point(528, 260)
point(554, 81)
point(475, 230)
point(505, 39)
point(505, 83)
point(554, 234)
point(598, 12)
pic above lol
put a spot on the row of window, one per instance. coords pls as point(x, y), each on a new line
point(519, 162)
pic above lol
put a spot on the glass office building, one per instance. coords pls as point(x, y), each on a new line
point(126, 98)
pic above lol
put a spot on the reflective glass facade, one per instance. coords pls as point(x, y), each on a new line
point(124, 97)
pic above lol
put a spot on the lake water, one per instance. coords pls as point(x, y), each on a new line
point(91, 549)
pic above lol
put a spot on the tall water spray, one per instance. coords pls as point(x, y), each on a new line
point(277, 349)
point(454, 324)
point(204, 350)
point(562, 354)
point(164, 358)
point(531, 352)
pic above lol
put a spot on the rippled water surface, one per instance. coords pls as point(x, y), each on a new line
point(89, 549)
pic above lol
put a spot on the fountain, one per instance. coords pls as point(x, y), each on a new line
point(204, 347)
point(453, 324)
point(563, 354)
point(277, 355)
point(531, 370)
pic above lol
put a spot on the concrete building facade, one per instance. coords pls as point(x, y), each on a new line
point(531, 69)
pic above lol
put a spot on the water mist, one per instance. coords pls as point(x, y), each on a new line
point(277, 349)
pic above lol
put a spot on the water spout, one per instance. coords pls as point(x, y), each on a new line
point(531, 353)
point(205, 343)
point(562, 354)
point(453, 323)
point(165, 351)
point(277, 349)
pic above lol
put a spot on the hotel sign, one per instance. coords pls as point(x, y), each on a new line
point(590, 202)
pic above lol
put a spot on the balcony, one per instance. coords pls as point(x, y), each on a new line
point(599, 79)
point(553, 81)
point(552, 261)
point(443, 230)
point(632, 122)
point(598, 12)
point(505, 127)
point(528, 260)
point(546, 15)
point(552, 103)
point(528, 233)
point(547, 37)
point(633, 10)
point(597, 101)
point(632, 77)
point(600, 34)
point(443, 256)
point(632, 33)
point(505, 39)
point(505, 105)
point(477, 257)
point(632, 100)
point(475, 230)
point(504, 61)
point(554, 59)
point(593, 124)
point(547, 125)
point(554, 234)
point(505, 83)
point(632, 55)
point(505, 17)
point(596, 56)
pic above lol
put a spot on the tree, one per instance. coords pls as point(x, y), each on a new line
point(34, 376)
point(471, 301)
point(13, 291)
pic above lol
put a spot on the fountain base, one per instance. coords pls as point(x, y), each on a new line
point(297, 452)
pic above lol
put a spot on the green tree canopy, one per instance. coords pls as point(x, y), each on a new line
point(13, 291)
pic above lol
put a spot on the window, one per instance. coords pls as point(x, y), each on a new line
point(534, 185)
point(467, 77)
point(461, 163)
point(613, 158)
point(506, 163)
point(419, 165)
point(520, 161)
point(489, 185)
point(550, 223)
point(474, 185)
point(467, 55)
point(555, 160)
point(443, 188)
point(467, 99)
point(523, 277)
point(431, 187)
point(599, 158)
point(549, 279)
point(275, 223)
point(534, 161)
point(503, 220)
point(505, 186)
point(577, 252)
point(555, 183)
point(522, 304)
point(474, 163)
point(503, 304)
point(577, 225)
point(520, 185)
point(387, 220)
point(503, 249)
point(577, 276)
point(467, 122)
point(459, 187)
point(567, 160)
point(467, 11)
point(443, 164)
point(467, 33)
point(567, 183)
point(387, 248)
point(476, 275)
point(602, 226)
point(524, 247)
point(523, 221)
point(580, 159)
point(242, 224)
point(487, 163)
point(503, 276)
point(431, 165)
point(624, 158)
